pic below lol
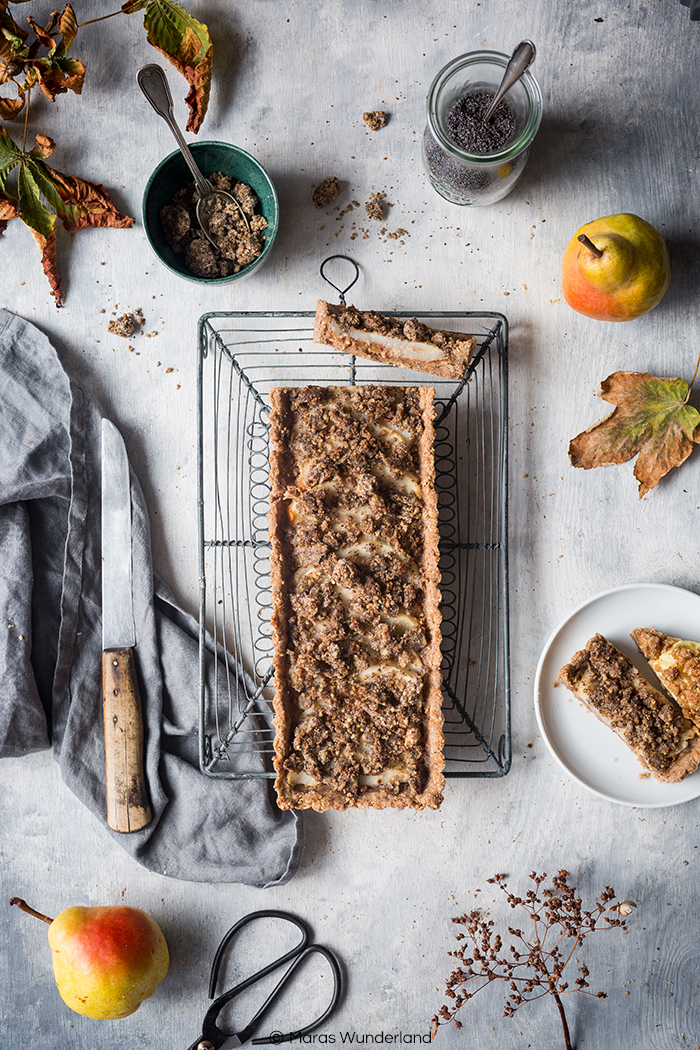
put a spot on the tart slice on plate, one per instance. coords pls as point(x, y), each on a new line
point(652, 725)
point(676, 663)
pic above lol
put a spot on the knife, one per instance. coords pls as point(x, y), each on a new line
point(128, 807)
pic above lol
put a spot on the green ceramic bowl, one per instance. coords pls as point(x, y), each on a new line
point(172, 174)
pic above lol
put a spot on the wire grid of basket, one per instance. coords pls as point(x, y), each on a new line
point(241, 356)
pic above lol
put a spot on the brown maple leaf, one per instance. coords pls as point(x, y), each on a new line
point(652, 420)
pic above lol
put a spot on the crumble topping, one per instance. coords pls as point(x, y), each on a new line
point(652, 725)
point(359, 634)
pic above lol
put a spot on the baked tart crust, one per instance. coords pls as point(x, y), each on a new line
point(651, 724)
point(407, 343)
point(355, 598)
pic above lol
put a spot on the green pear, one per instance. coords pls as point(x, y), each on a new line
point(615, 268)
point(106, 960)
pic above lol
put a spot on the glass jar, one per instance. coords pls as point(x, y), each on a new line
point(473, 178)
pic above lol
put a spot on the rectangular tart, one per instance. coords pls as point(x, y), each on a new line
point(355, 598)
point(676, 663)
point(651, 724)
point(395, 340)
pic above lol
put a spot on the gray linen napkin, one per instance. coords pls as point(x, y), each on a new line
point(203, 830)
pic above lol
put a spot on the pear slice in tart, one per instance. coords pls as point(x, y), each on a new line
point(676, 663)
point(652, 725)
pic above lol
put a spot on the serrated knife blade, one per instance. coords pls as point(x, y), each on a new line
point(128, 808)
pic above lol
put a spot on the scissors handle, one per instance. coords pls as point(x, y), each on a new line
point(213, 1038)
point(299, 1033)
point(265, 913)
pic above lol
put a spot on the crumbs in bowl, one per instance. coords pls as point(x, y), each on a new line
point(235, 245)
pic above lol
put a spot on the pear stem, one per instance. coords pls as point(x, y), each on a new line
point(590, 245)
point(23, 906)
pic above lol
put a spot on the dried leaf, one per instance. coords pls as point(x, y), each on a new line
point(68, 26)
point(5, 50)
point(44, 147)
point(12, 39)
point(651, 421)
point(42, 225)
point(44, 35)
point(186, 43)
point(8, 210)
point(10, 108)
point(56, 76)
point(10, 156)
point(77, 203)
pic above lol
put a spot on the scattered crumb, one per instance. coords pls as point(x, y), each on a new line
point(374, 206)
point(126, 325)
point(327, 192)
point(397, 234)
point(168, 370)
point(375, 119)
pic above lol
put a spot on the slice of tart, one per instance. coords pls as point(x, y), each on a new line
point(651, 724)
point(676, 663)
point(407, 343)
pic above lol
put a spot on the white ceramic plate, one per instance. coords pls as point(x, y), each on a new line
point(590, 752)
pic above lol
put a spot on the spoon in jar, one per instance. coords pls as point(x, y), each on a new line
point(521, 59)
point(152, 81)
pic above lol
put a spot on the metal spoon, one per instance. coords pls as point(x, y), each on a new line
point(152, 81)
point(520, 60)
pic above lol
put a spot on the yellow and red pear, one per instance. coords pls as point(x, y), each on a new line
point(615, 268)
point(106, 960)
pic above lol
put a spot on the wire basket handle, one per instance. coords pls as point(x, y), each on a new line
point(341, 291)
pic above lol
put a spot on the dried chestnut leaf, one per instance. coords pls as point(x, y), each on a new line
point(183, 41)
point(45, 195)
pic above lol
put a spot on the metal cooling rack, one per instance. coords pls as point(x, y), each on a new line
point(243, 355)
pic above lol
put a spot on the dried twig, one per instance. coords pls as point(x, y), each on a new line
point(535, 964)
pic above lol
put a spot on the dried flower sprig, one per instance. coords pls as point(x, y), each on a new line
point(535, 965)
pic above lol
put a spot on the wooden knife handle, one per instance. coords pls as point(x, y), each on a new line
point(128, 807)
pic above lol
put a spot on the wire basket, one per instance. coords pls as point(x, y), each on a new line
point(241, 356)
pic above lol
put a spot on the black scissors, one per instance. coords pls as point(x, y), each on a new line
point(212, 1038)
